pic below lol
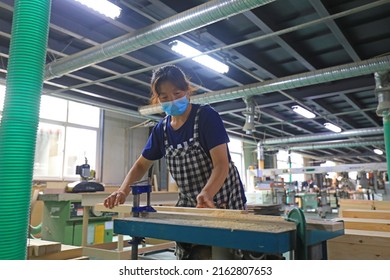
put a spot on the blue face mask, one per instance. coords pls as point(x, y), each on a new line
point(176, 107)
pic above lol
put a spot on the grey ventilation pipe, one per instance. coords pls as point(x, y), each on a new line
point(260, 155)
point(250, 115)
point(324, 136)
point(382, 82)
point(329, 146)
point(335, 73)
point(186, 21)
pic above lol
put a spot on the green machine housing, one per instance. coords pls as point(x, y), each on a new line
point(62, 222)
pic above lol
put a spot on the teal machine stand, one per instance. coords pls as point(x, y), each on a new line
point(292, 234)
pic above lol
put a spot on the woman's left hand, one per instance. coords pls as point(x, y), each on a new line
point(204, 200)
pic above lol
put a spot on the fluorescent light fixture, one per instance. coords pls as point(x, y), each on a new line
point(303, 112)
point(332, 127)
point(208, 61)
point(378, 151)
point(102, 6)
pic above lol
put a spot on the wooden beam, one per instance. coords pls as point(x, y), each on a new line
point(360, 245)
point(367, 224)
point(38, 247)
point(365, 214)
point(227, 214)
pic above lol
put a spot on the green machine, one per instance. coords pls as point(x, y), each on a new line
point(62, 222)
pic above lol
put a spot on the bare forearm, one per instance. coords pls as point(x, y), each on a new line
point(136, 173)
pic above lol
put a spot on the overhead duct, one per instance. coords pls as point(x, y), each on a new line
point(382, 89)
point(335, 73)
point(186, 21)
point(324, 136)
point(330, 146)
point(240, 43)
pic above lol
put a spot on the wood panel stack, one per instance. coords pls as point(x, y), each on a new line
point(367, 231)
point(38, 249)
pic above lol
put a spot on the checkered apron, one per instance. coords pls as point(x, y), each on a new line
point(191, 167)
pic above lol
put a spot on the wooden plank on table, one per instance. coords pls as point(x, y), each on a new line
point(325, 225)
point(126, 208)
point(67, 252)
point(226, 214)
point(311, 224)
point(38, 247)
point(365, 214)
point(197, 211)
point(122, 208)
point(367, 224)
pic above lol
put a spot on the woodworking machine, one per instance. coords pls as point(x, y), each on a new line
point(235, 229)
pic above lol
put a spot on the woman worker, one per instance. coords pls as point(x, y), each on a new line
point(193, 140)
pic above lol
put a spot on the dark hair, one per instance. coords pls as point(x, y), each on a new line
point(170, 73)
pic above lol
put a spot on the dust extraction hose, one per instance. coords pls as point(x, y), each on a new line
point(18, 127)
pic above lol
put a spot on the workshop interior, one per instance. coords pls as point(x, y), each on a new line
point(302, 88)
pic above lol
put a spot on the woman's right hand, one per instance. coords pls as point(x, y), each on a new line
point(114, 199)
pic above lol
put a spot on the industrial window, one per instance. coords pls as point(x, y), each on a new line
point(66, 137)
point(67, 134)
point(236, 154)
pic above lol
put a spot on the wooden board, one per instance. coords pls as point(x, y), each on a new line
point(367, 224)
point(38, 247)
point(364, 204)
point(67, 252)
point(199, 211)
point(311, 224)
point(377, 238)
point(360, 245)
point(231, 223)
point(365, 214)
point(108, 251)
point(352, 251)
point(382, 205)
point(356, 204)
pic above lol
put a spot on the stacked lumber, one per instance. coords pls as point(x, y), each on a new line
point(367, 231)
point(38, 249)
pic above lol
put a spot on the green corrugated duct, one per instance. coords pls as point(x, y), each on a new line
point(18, 127)
point(386, 126)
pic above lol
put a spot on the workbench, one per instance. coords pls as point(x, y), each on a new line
point(232, 229)
point(89, 201)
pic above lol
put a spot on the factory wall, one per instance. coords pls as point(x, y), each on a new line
point(122, 145)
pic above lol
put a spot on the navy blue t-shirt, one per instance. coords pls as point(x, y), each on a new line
point(211, 133)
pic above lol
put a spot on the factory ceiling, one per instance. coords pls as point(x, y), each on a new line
point(280, 54)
